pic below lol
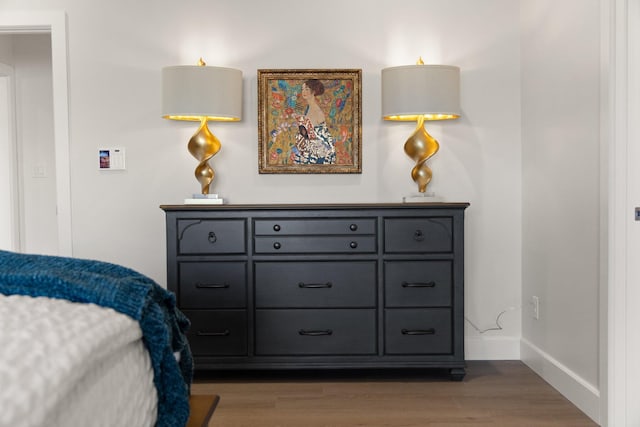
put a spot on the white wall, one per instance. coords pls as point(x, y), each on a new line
point(34, 126)
point(561, 193)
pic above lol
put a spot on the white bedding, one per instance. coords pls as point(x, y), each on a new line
point(70, 364)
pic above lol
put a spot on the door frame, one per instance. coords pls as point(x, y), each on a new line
point(54, 23)
point(10, 163)
point(620, 293)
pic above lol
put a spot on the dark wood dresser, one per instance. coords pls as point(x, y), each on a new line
point(320, 286)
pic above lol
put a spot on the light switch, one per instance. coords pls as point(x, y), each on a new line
point(40, 171)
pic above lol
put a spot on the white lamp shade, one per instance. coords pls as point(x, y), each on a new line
point(431, 91)
point(192, 92)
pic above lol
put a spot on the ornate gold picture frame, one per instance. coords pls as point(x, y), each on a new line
point(310, 121)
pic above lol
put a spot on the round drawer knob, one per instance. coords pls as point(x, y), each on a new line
point(277, 245)
point(353, 227)
point(276, 227)
point(353, 245)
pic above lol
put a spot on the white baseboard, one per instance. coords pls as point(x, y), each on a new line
point(580, 392)
point(492, 348)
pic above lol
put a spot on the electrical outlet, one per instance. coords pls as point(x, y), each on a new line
point(535, 303)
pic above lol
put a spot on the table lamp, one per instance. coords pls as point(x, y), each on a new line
point(417, 93)
point(202, 93)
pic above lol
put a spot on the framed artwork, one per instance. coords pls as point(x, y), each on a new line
point(310, 121)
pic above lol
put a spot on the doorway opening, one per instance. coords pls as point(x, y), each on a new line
point(22, 233)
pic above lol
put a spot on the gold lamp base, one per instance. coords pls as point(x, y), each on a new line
point(203, 145)
point(421, 147)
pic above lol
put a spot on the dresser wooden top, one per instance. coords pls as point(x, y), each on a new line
point(330, 206)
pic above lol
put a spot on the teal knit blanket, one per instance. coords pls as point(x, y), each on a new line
point(126, 291)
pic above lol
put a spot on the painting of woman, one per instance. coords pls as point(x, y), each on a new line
point(309, 121)
point(314, 143)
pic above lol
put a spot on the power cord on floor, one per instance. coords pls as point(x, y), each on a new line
point(498, 326)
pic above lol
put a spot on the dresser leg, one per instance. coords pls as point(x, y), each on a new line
point(457, 374)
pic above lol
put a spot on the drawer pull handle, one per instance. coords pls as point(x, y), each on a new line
point(277, 245)
point(418, 235)
point(430, 331)
point(353, 227)
point(353, 245)
point(212, 285)
point(315, 285)
point(418, 285)
point(212, 237)
point(276, 227)
point(314, 332)
point(224, 333)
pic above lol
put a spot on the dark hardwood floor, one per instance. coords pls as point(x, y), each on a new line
point(494, 393)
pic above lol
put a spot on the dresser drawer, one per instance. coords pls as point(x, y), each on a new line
point(315, 244)
point(217, 332)
point(212, 284)
point(418, 331)
point(316, 332)
point(418, 283)
point(315, 284)
point(211, 236)
point(303, 226)
point(418, 235)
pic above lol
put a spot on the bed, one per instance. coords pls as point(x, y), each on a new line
point(89, 343)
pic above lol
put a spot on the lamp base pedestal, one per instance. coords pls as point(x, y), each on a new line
point(426, 197)
point(204, 199)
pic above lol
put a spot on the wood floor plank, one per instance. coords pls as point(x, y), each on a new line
point(494, 393)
